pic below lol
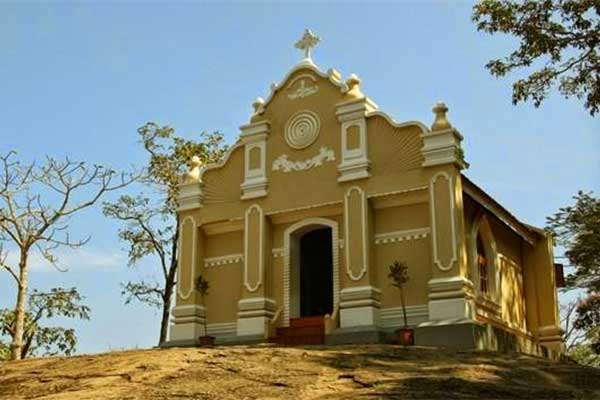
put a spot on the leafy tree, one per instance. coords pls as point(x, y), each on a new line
point(558, 38)
point(36, 204)
point(584, 354)
point(37, 338)
point(588, 319)
point(150, 222)
point(577, 229)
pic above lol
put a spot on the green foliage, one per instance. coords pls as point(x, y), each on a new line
point(577, 228)
point(561, 38)
point(170, 155)
point(202, 285)
point(4, 351)
point(149, 293)
point(584, 354)
point(45, 340)
point(398, 273)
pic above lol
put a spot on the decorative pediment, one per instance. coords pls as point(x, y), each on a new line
point(317, 120)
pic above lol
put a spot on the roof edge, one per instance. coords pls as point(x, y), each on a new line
point(525, 231)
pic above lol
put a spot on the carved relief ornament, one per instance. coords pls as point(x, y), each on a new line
point(283, 164)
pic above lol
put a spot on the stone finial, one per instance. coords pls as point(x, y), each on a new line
point(258, 103)
point(440, 122)
point(193, 175)
point(307, 42)
point(353, 83)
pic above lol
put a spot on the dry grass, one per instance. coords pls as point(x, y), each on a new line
point(267, 372)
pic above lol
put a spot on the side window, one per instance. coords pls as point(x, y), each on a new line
point(482, 265)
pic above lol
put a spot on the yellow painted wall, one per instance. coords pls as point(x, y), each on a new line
point(397, 198)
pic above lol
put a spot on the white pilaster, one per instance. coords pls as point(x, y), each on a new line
point(254, 316)
point(359, 306)
point(187, 323)
point(254, 137)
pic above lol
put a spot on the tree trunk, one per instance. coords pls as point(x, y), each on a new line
point(169, 286)
point(403, 307)
point(17, 343)
point(168, 294)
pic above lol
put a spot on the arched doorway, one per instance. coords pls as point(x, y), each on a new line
point(316, 273)
point(311, 268)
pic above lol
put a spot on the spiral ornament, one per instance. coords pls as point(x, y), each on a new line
point(302, 129)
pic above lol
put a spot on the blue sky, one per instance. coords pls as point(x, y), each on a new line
point(78, 78)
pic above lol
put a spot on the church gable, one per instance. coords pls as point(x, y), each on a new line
point(313, 136)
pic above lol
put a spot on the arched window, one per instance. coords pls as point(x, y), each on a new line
point(482, 265)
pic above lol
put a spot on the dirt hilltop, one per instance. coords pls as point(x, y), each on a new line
point(312, 372)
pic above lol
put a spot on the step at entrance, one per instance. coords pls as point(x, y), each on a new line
point(302, 331)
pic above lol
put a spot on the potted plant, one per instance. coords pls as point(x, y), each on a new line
point(398, 273)
point(202, 286)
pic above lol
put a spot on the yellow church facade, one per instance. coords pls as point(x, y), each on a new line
point(319, 195)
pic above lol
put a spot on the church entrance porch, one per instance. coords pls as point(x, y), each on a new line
point(310, 281)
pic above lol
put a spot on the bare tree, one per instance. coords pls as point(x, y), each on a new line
point(36, 203)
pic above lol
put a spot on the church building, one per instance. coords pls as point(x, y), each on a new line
point(295, 229)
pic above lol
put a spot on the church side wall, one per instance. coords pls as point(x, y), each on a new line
point(508, 304)
point(510, 264)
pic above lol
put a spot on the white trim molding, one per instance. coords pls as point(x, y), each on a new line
point(391, 317)
point(193, 260)
point(399, 236)
point(453, 258)
point(210, 262)
point(360, 306)
point(283, 164)
point(261, 258)
point(395, 192)
point(223, 329)
point(190, 196)
point(278, 252)
point(365, 243)
point(187, 322)
point(294, 232)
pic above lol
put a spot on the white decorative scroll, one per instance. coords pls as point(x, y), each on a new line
point(302, 129)
point(283, 164)
point(303, 91)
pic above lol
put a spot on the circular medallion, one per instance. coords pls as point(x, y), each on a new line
point(302, 129)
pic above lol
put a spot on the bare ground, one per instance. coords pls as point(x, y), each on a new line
point(312, 372)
